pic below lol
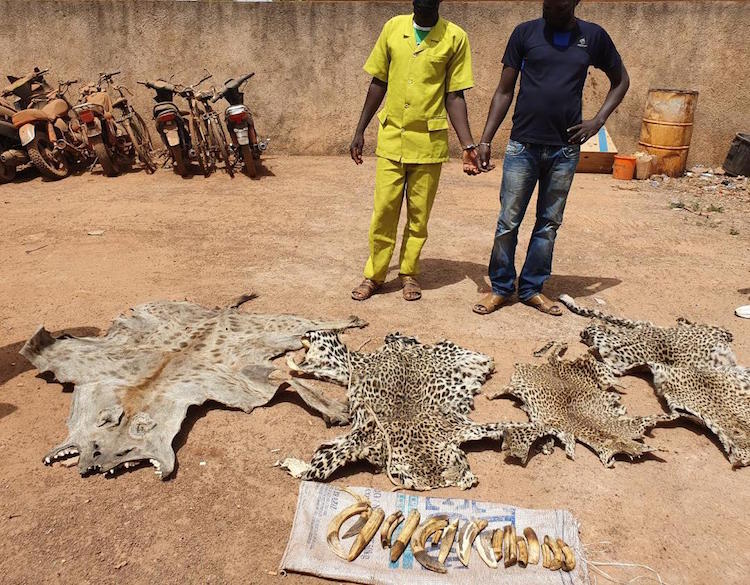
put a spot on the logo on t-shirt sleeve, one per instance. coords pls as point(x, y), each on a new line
point(582, 43)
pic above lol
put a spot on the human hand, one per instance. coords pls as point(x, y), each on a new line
point(355, 150)
point(580, 133)
point(471, 163)
point(484, 154)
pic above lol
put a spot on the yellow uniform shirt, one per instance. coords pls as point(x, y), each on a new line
point(414, 122)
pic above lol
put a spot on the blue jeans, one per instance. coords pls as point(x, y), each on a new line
point(553, 168)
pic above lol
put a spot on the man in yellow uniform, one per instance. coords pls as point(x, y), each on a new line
point(423, 63)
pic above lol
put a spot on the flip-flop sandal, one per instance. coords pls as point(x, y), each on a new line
point(365, 290)
point(411, 289)
point(543, 304)
point(743, 311)
point(489, 304)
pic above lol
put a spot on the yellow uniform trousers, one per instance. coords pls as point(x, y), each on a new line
point(393, 180)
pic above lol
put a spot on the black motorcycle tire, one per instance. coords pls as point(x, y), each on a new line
point(109, 166)
point(180, 167)
point(7, 173)
point(248, 161)
point(40, 153)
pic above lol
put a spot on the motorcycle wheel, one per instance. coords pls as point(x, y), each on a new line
point(109, 166)
point(42, 155)
point(7, 173)
point(221, 141)
point(180, 167)
point(248, 162)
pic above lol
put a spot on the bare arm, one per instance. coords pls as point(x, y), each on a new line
point(455, 103)
point(375, 95)
point(498, 110)
point(619, 83)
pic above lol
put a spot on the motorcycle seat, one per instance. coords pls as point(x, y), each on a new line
point(100, 99)
point(55, 109)
point(169, 106)
point(30, 115)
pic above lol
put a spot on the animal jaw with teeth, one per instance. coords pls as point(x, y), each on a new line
point(134, 385)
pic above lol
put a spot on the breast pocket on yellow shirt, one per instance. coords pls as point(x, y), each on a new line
point(434, 68)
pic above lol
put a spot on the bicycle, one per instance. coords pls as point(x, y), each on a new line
point(217, 140)
point(132, 122)
point(200, 146)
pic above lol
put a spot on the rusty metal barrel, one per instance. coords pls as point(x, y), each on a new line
point(667, 128)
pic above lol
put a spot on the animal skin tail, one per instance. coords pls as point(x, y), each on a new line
point(574, 307)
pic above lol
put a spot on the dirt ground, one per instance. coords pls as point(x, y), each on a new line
point(297, 237)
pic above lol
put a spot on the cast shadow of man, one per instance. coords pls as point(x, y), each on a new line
point(439, 272)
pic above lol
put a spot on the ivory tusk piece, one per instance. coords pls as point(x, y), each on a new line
point(334, 542)
point(390, 524)
point(367, 533)
point(399, 545)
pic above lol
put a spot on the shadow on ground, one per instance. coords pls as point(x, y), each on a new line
point(437, 273)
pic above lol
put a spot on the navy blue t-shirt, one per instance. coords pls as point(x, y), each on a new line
point(553, 66)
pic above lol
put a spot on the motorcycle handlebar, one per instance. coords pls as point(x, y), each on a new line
point(159, 85)
point(109, 75)
point(231, 84)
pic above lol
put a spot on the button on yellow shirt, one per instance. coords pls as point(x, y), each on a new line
point(414, 121)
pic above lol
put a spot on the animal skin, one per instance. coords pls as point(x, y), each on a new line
point(573, 401)
point(694, 369)
point(409, 406)
point(134, 385)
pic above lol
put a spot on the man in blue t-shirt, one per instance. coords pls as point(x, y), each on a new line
point(552, 54)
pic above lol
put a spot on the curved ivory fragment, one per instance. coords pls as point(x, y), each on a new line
point(466, 536)
point(431, 526)
point(449, 535)
point(497, 543)
point(399, 546)
point(533, 545)
point(556, 562)
point(334, 526)
point(357, 526)
point(486, 553)
point(523, 552)
point(569, 557)
point(367, 533)
point(510, 545)
point(546, 555)
point(390, 524)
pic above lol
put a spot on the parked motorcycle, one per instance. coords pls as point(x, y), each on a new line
point(106, 139)
point(13, 98)
point(240, 124)
point(52, 134)
point(114, 131)
point(171, 124)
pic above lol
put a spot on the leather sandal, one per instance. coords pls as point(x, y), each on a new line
point(489, 304)
point(411, 289)
point(543, 304)
point(365, 290)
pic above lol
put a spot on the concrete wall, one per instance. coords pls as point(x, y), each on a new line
point(309, 85)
